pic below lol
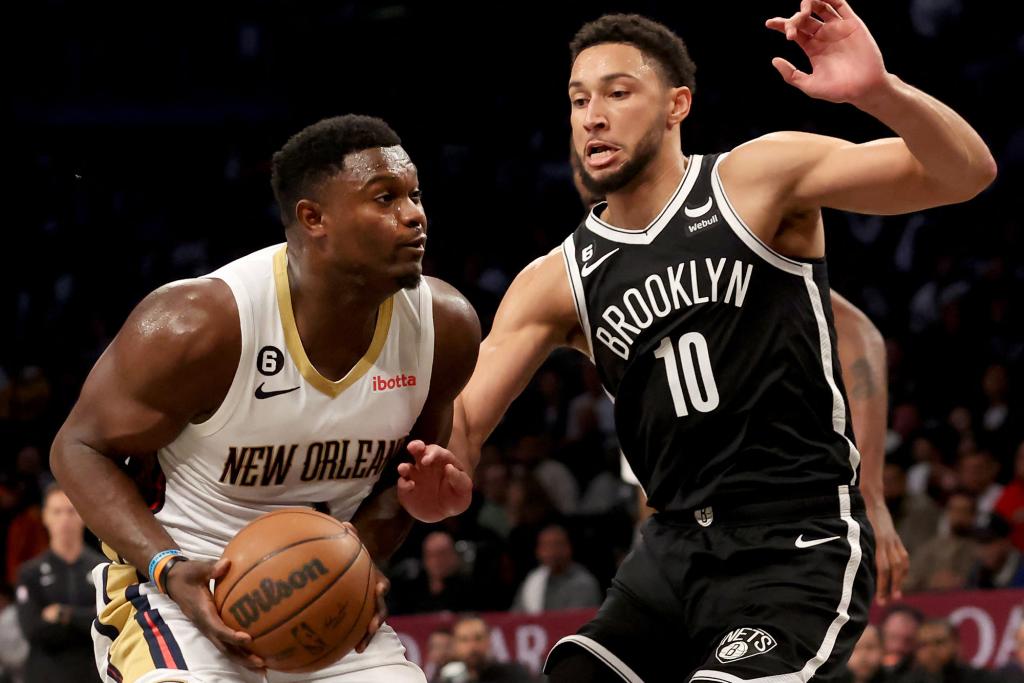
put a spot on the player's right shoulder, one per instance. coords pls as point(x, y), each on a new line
point(194, 318)
point(541, 295)
point(186, 326)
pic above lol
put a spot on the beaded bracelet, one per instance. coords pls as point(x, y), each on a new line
point(161, 558)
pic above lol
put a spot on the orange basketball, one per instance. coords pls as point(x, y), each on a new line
point(301, 585)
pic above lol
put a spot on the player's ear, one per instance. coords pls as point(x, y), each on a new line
point(309, 217)
point(679, 105)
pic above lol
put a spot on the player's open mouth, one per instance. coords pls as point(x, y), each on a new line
point(600, 153)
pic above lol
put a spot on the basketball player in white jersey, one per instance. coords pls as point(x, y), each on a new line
point(290, 377)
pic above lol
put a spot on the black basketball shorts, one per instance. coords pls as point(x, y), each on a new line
point(776, 592)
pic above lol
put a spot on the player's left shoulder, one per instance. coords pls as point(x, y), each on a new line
point(456, 326)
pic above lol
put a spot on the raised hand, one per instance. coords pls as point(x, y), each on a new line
point(846, 64)
point(435, 486)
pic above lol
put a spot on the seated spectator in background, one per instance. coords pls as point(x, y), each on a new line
point(899, 638)
point(946, 560)
point(936, 660)
point(1013, 672)
point(13, 646)
point(56, 599)
point(865, 665)
point(998, 562)
point(437, 585)
point(592, 412)
point(439, 653)
point(1011, 503)
point(534, 453)
point(472, 661)
point(558, 583)
point(916, 516)
point(929, 471)
point(492, 479)
point(998, 423)
point(977, 470)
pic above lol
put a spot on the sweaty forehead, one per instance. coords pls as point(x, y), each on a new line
point(598, 61)
point(366, 164)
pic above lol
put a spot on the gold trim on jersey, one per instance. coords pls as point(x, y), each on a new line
point(294, 342)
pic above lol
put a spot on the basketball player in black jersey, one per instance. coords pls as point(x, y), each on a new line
point(698, 289)
point(862, 358)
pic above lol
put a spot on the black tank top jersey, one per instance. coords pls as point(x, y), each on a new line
point(718, 352)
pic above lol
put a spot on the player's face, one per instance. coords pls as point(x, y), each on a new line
point(373, 216)
point(619, 109)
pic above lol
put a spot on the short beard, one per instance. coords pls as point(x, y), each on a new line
point(646, 150)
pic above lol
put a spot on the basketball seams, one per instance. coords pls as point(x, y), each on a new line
point(269, 556)
point(316, 597)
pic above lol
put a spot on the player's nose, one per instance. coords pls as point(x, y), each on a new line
point(595, 118)
point(413, 215)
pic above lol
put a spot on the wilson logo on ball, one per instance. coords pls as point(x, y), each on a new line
point(248, 609)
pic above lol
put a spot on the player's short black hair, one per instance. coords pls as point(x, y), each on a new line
point(656, 41)
point(317, 152)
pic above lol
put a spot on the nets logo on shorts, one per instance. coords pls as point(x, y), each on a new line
point(743, 643)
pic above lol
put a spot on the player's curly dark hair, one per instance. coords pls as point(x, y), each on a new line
point(656, 41)
point(317, 152)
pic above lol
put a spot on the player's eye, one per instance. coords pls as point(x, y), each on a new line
point(619, 94)
point(579, 102)
point(385, 198)
point(416, 196)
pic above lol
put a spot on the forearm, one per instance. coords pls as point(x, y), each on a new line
point(949, 150)
point(109, 502)
point(862, 358)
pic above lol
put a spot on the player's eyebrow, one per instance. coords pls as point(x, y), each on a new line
point(379, 177)
point(605, 79)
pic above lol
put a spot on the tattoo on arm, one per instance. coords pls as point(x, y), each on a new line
point(863, 385)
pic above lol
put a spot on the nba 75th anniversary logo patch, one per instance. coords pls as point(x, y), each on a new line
point(743, 643)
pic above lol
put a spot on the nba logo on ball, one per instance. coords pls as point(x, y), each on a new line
point(743, 643)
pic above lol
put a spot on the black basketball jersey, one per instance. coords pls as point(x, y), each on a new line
point(718, 352)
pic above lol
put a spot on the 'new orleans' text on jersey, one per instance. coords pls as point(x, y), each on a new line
point(718, 352)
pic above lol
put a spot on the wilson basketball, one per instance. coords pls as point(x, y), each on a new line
point(301, 585)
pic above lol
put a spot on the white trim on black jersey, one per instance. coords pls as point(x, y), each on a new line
point(806, 272)
point(832, 634)
point(606, 656)
point(648, 234)
point(825, 346)
point(745, 234)
point(572, 270)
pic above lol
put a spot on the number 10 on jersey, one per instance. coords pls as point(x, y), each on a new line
point(691, 345)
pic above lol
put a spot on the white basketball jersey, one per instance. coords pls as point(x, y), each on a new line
point(285, 435)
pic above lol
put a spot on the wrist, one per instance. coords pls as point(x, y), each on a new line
point(877, 100)
point(160, 565)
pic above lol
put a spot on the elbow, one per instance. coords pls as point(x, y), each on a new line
point(982, 174)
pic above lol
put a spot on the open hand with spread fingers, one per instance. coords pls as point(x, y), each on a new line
point(435, 485)
point(846, 64)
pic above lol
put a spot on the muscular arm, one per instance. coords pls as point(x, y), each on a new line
point(381, 520)
point(936, 158)
point(536, 316)
point(862, 358)
point(171, 363)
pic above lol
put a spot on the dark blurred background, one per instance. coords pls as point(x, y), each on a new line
point(137, 148)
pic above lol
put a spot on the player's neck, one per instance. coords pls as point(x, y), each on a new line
point(335, 315)
point(636, 205)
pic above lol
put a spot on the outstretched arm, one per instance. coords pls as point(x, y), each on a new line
point(536, 316)
point(937, 158)
point(862, 357)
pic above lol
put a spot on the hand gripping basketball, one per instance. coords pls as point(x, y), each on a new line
point(188, 584)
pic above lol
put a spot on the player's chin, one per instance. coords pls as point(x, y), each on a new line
point(408, 275)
